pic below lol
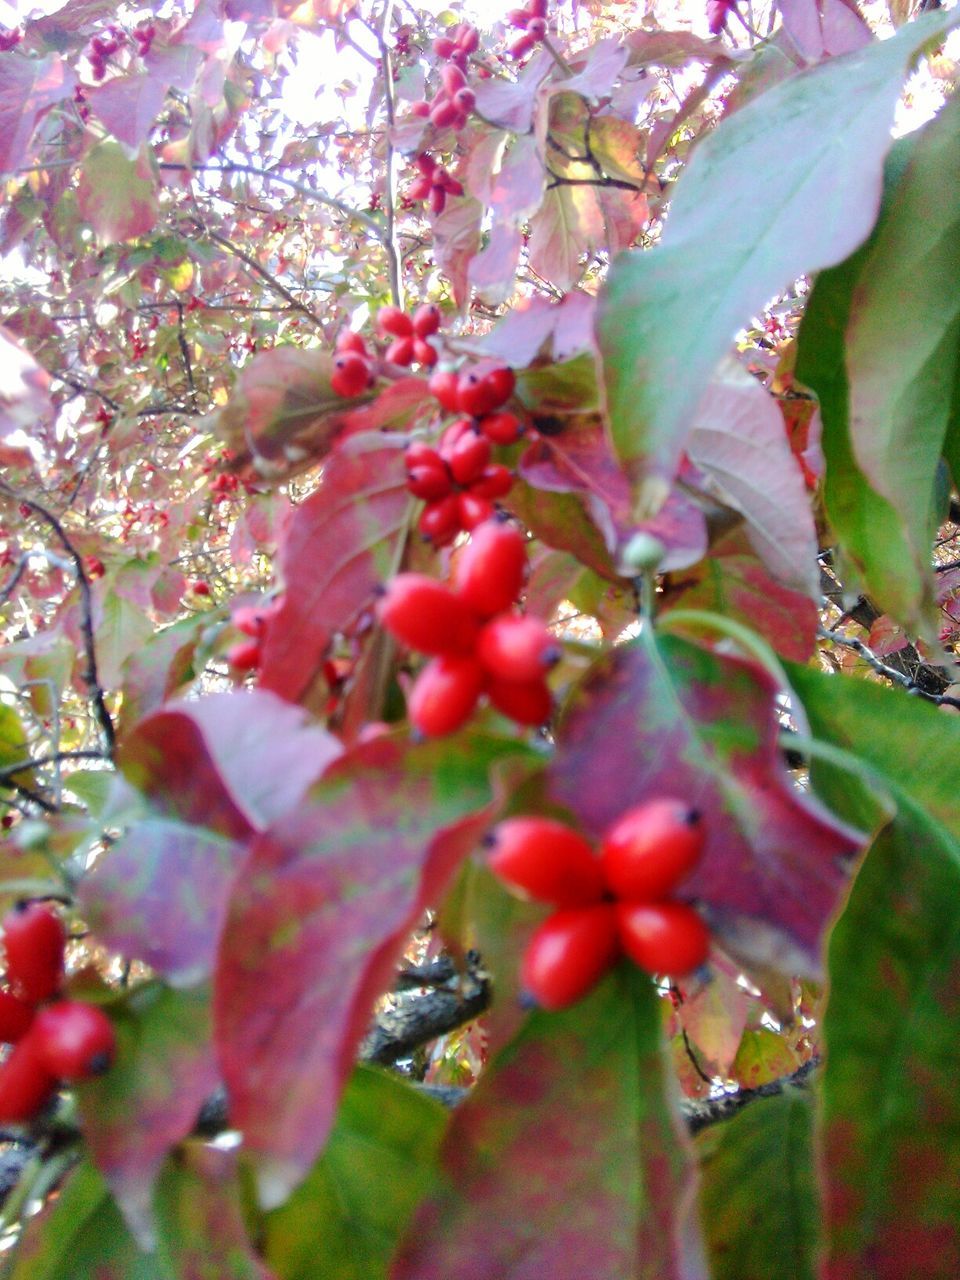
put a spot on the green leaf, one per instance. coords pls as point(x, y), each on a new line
point(758, 1203)
point(13, 745)
point(879, 344)
point(80, 1234)
point(788, 184)
point(117, 195)
point(567, 1160)
point(344, 1221)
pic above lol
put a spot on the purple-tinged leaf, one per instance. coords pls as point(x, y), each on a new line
point(24, 388)
point(456, 239)
point(510, 104)
point(29, 87)
point(199, 1207)
point(128, 106)
point(117, 195)
point(319, 917)
point(823, 28)
point(567, 326)
point(693, 723)
point(567, 1160)
point(341, 544)
point(738, 440)
point(149, 1100)
point(493, 271)
point(231, 762)
point(517, 188)
point(567, 225)
point(160, 895)
point(595, 69)
point(667, 316)
point(673, 48)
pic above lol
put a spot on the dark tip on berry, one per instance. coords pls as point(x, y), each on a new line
point(526, 1001)
point(380, 589)
point(552, 655)
point(693, 817)
point(417, 738)
point(489, 840)
point(99, 1064)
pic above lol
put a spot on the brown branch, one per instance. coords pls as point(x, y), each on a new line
point(271, 281)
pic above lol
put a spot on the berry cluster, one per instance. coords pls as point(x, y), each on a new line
point(253, 621)
point(434, 183)
point(458, 46)
point(101, 48)
point(477, 643)
point(451, 104)
point(352, 367)
point(144, 33)
point(532, 21)
point(617, 903)
point(53, 1039)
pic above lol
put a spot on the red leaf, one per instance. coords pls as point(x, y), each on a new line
point(566, 325)
point(690, 722)
point(128, 105)
point(29, 87)
point(340, 545)
point(319, 918)
point(231, 762)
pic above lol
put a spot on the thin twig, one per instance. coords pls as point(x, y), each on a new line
point(257, 269)
point(390, 194)
point(11, 770)
point(185, 353)
point(890, 673)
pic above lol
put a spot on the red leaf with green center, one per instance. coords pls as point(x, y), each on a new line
point(205, 761)
point(319, 918)
point(341, 544)
point(567, 1160)
point(665, 717)
point(148, 1101)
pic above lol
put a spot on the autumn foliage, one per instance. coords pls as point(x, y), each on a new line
point(479, 603)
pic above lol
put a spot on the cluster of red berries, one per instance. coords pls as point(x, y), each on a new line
point(532, 21)
point(451, 105)
point(477, 643)
point(352, 367)
point(434, 184)
point(9, 39)
point(101, 48)
point(144, 33)
point(53, 1039)
point(458, 46)
point(253, 621)
point(617, 903)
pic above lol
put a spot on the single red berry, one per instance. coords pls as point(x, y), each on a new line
point(473, 510)
point(395, 321)
point(245, 656)
point(651, 847)
point(443, 386)
point(518, 18)
point(74, 1040)
point(200, 588)
point(400, 351)
point(667, 938)
point(501, 428)
point(426, 320)
point(468, 457)
point(25, 1084)
point(485, 388)
point(467, 37)
point(465, 100)
point(522, 46)
point(443, 114)
point(444, 695)
point(253, 619)
point(15, 1017)
point(443, 46)
point(426, 615)
point(517, 647)
point(424, 353)
point(425, 163)
point(450, 185)
point(546, 860)
point(459, 429)
point(438, 200)
point(420, 454)
point(420, 189)
point(420, 109)
point(569, 954)
point(495, 481)
point(440, 520)
point(347, 340)
point(351, 375)
point(34, 938)
point(491, 569)
point(429, 483)
point(538, 8)
point(526, 702)
point(537, 28)
point(452, 79)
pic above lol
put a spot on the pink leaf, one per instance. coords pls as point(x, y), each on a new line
point(128, 106)
point(29, 87)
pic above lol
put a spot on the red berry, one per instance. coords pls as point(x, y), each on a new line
point(15, 1017)
point(244, 656)
point(74, 1040)
point(34, 938)
point(25, 1084)
point(501, 428)
point(400, 351)
point(667, 938)
point(420, 189)
point(429, 483)
point(495, 481)
point(517, 647)
point(351, 374)
point(468, 457)
point(518, 18)
point(426, 320)
point(347, 340)
point(200, 588)
point(424, 353)
point(444, 386)
point(465, 100)
point(438, 200)
point(537, 28)
point(491, 569)
point(425, 163)
point(546, 860)
point(253, 619)
point(522, 46)
point(569, 953)
point(651, 847)
point(526, 702)
point(420, 454)
point(473, 510)
point(480, 390)
point(421, 109)
point(443, 115)
point(440, 520)
point(452, 78)
point(443, 46)
point(395, 321)
point(426, 615)
point(461, 428)
point(467, 37)
point(537, 8)
point(444, 695)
